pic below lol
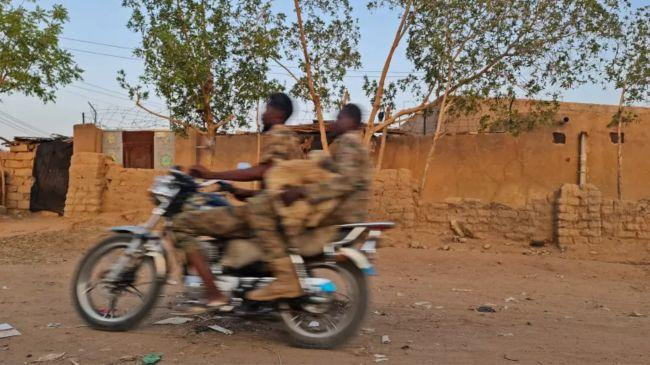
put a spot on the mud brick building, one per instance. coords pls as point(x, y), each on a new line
point(556, 183)
point(36, 174)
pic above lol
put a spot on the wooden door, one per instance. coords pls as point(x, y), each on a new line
point(137, 149)
point(51, 165)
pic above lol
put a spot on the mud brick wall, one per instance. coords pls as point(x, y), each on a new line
point(579, 215)
point(394, 197)
point(532, 221)
point(18, 165)
point(127, 189)
point(98, 184)
point(626, 220)
point(86, 184)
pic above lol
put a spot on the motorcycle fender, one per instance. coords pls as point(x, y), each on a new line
point(134, 230)
point(160, 263)
point(359, 259)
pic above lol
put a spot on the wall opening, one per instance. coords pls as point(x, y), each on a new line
point(613, 136)
point(559, 138)
point(137, 149)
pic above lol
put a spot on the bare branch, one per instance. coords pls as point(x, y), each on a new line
point(286, 69)
point(404, 112)
point(170, 119)
point(310, 80)
point(212, 129)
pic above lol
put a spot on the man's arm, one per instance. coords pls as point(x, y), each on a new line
point(255, 173)
point(350, 175)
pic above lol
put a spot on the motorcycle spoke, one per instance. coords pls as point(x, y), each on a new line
point(328, 318)
point(111, 306)
point(90, 288)
point(133, 290)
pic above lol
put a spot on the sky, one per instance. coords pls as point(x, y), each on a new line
point(104, 21)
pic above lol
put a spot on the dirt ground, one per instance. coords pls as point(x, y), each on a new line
point(550, 309)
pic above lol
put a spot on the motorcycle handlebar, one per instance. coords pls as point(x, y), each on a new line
point(223, 186)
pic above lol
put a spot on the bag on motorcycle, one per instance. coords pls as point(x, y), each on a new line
point(242, 252)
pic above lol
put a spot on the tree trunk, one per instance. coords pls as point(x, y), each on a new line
point(206, 112)
point(440, 121)
point(432, 149)
point(380, 86)
point(619, 136)
point(208, 116)
point(310, 80)
point(382, 145)
point(259, 131)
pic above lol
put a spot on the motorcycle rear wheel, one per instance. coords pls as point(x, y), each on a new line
point(354, 317)
point(83, 303)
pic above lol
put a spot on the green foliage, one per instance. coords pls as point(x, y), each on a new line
point(629, 67)
point(332, 37)
point(31, 61)
point(490, 51)
point(505, 116)
point(208, 59)
point(388, 98)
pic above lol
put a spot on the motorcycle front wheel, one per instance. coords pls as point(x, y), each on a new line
point(339, 317)
point(114, 306)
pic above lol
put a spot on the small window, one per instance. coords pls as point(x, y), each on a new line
point(559, 138)
point(613, 136)
point(565, 120)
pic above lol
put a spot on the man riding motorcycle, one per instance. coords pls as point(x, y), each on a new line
point(237, 221)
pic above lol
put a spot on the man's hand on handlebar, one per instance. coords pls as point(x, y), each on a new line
point(243, 194)
point(197, 171)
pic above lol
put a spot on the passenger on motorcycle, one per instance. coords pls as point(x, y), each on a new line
point(348, 188)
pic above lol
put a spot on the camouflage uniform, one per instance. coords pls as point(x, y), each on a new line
point(353, 168)
point(281, 143)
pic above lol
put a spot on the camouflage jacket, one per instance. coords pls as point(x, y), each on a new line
point(350, 161)
point(280, 143)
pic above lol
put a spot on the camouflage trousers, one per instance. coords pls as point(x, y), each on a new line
point(256, 219)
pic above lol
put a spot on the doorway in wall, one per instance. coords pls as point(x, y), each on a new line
point(51, 165)
point(137, 149)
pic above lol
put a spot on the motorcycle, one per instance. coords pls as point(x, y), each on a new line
point(118, 295)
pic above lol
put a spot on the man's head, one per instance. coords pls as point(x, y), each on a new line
point(278, 109)
point(349, 119)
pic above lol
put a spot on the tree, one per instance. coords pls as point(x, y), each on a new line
point(629, 71)
point(326, 47)
point(382, 96)
point(31, 61)
point(472, 53)
point(208, 59)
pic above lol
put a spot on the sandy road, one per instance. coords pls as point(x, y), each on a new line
point(550, 310)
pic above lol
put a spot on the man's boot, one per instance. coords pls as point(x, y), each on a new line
point(286, 284)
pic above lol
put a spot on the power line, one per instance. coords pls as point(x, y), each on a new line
point(102, 54)
point(96, 43)
point(101, 87)
point(23, 123)
point(13, 126)
point(134, 58)
point(101, 93)
point(18, 127)
point(121, 94)
point(93, 99)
